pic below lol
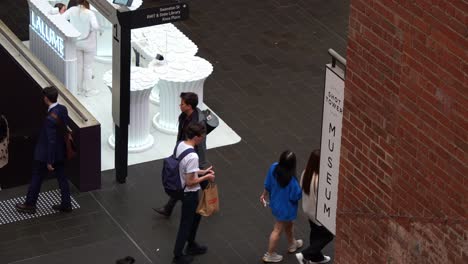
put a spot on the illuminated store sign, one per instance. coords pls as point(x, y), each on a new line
point(47, 34)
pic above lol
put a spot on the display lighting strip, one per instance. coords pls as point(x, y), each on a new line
point(8, 213)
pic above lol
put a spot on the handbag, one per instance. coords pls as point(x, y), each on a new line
point(70, 147)
point(209, 202)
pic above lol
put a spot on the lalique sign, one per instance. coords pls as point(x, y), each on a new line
point(47, 33)
point(330, 147)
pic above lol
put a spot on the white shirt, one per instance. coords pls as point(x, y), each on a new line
point(189, 164)
point(83, 19)
point(52, 106)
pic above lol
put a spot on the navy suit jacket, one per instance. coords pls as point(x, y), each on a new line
point(50, 146)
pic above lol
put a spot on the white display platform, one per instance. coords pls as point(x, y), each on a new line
point(186, 74)
point(100, 106)
point(142, 81)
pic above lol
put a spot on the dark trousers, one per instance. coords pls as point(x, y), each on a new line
point(319, 238)
point(39, 172)
point(171, 203)
point(189, 222)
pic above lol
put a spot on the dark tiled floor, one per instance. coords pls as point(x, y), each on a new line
point(267, 85)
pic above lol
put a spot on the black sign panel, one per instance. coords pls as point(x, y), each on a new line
point(159, 15)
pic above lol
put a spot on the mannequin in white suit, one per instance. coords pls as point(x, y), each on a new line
point(84, 20)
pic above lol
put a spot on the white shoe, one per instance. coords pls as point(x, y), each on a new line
point(326, 259)
point(273, 257)
point(297, 244)
point(91, 93)
point(301, 259)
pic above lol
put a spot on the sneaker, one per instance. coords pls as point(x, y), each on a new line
point(162, 211)
point(297, 244)
point(326, 259)
point(24, 208)
point(273, 257)
point(195, 249)
point(91, 92)
point(60, 208)
point(301, 259)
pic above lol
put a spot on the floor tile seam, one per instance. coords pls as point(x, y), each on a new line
point(62, 250)
point(122, 229)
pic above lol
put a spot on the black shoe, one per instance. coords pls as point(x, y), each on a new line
point(195, 249)
point(162, 211)
point(60, 208)
point(182, 259)
point(24, 208)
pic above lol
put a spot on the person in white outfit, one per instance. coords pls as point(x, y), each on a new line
point(85, 21)
point(319, 235)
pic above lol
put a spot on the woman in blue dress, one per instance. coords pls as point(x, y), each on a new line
point(284, 192)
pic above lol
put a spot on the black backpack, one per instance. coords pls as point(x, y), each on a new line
point(170, 171)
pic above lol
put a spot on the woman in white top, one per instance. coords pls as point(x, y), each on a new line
point(85, 21)
point(319, 235)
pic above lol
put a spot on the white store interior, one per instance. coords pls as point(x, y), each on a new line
point(175, 47)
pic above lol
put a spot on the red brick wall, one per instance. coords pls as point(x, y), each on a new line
point(403, 175)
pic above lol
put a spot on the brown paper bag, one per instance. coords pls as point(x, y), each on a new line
point(209, 202)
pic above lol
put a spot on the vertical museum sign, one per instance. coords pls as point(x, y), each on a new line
point(332, 121)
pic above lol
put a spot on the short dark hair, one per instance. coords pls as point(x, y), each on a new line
point(126, 260)
point(194, 130)
point(190, 99)
point(51, 93)
point(59, 5)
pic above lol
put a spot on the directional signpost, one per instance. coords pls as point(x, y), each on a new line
point(124, 19)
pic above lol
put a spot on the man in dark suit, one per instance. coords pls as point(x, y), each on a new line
point(191, 114)
point(49, 154)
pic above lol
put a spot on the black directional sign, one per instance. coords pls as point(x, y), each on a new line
point(159, 15)
point(124, 19)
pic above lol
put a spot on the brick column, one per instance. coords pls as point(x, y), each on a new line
point(404, 176)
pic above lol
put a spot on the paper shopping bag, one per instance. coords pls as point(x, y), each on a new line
point(209, 202)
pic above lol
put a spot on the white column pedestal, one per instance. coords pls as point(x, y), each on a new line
point(154, 96)
point(167, 119)
point(187, 74)
point(142, 82)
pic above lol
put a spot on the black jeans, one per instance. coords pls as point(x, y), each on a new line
point(319, 238)
point(189, 222)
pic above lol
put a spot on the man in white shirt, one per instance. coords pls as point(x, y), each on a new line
point(189, 171)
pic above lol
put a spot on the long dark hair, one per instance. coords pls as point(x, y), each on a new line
point(313, 166)
point(83, 3)
point(286, 168)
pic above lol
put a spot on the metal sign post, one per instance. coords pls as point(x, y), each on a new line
point(124, 19)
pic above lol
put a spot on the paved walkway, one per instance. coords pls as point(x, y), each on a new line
point(269, 59)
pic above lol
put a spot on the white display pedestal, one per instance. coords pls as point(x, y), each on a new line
point(164, 39)
point(184, 75)
point(142, 81)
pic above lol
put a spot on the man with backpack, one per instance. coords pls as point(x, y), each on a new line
point(190, 185)
point(191, 114)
